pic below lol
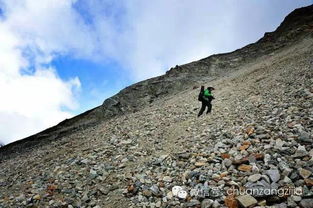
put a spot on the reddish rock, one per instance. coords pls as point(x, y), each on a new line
point(231, 202)
point(223, 174)
point(131, 188)
point(244, 147)
point(225, 155)
point(308, 181)
point(249, 130)
point(257, 156)
point(246, 168)
point(161, 184)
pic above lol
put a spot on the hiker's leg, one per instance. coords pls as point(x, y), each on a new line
point(209, 108)
point(202, 109)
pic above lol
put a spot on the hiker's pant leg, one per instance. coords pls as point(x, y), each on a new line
point(202, 108)
point(209, 108)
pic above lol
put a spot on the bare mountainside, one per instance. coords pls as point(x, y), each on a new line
point(132, 150)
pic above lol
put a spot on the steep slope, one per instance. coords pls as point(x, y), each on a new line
point(263, 110)
point(296, 25)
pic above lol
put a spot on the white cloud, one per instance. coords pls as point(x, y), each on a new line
point(148, 37)
point(33, 97)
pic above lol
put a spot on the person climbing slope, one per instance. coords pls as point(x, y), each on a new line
point(206, 97)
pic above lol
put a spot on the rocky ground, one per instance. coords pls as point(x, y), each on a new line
point(258, 138)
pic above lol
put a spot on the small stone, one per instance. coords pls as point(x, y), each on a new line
point(246, 200)
point(257, 156)
point(301, 152)
point(308, 181)
point(37, 197)
point(245, 168)
point(169, 195)
point(262, 136)
point(273, 174)
point(279, 144)
point(216, 176)
point(192, 203)
point(193, 192)
point(304, 173)
point(200, 164)
point(20, 198)
point(128, 141)
point(305, 137)
point(207, 203)
point(175, 190)
point(124, 160)
point(230, 202)
point(93, 173)
point(85, 197)
point(267, 158)
point(281, 205)
point(130, 188)
point(262, 203)
point(227, 162)
point(85, 161)
point(225, 155)
point(291, 202)
point(250, 130)
point(167, 179)
point(184, 155)
point(244, 147)
point(163, 157)
point(155, 190)
point(146, 193)
point(182, 194)
point(216, 204)
point(254, 178)
point(273, 199)
point(287, 180)
point(294, 175)
point(296, 198)
point(158, 204)
point(306, 203)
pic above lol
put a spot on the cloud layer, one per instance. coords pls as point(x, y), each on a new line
point(33, 97)
point(148, 37)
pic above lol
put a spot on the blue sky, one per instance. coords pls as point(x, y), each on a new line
point(59, 58)
point(100, 80)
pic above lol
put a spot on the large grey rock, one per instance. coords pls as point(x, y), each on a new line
point(273, 174)
point(306, 203)
point(207, 203)
point(304, 173)
point(305, 137)
point(246, 200)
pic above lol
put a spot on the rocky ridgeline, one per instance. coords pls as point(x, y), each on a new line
point(258, 140)
point(296, 25)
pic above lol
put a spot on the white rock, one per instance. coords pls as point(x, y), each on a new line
point(182, 194)
point(170, 194)
point(175, 190)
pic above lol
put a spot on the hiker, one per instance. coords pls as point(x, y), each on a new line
point(205, 96)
